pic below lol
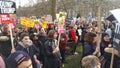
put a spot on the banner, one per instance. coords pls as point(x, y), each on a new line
point(27, 22)
point(7, 7)
point(116, 39)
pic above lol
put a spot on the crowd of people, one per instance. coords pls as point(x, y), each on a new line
point(41, 48)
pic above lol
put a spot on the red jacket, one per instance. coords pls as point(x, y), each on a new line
point(63, 43)
point(72, 34)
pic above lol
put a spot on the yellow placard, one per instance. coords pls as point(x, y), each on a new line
point(27, 22)
point(44, 24)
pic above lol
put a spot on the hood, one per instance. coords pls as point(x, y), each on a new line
point(26, 46)
point(4, 38)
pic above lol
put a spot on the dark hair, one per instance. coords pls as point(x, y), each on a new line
point(23, 35)
point(89, 37)
point(71, 26)
point(51, 34)
point(63, 35)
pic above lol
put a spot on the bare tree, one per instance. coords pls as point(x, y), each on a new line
point(72, 7)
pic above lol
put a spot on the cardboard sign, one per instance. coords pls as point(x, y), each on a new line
point(116, 14)
point(7, 7)
point(49, 18)
point(37, 26)
point(27, 22)
point(61, 29)
point(61, 21)
point(116, 39)
point(5, 18)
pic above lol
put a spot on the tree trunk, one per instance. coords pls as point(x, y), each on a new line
point(53, 9)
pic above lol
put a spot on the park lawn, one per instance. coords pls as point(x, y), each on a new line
point(73, 61)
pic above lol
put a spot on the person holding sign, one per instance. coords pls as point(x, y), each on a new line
point(52, 57)
point(89, 47)
point(26, 45)
point(5, 42)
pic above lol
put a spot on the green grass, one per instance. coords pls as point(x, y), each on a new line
point(73, 61)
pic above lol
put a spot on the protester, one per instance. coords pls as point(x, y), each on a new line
point(41, 40)
point(19, 59)
point(73, 38)
point(27, 46)
point(90, 61)
point(105, 42)
point(109, 32)
point(89, 47)
point(52, 58)
point(63, 47)
point(5, 42)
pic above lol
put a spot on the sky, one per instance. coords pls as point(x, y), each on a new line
point(21, 2)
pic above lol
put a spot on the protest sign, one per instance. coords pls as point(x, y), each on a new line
point(27, 22)
point(116, 14)
point(44, 22)
point(7, 7)
point(5, 18)
point(116, 39)
point(49, 18)
point(61, 21)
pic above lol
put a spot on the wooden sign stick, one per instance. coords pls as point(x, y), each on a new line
point(112, 58)
point(99, 28)
point(59, 39)
point(11, 36)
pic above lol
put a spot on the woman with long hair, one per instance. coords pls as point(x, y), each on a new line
point(52, 57)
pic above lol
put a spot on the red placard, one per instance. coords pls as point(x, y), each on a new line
point(5, 18)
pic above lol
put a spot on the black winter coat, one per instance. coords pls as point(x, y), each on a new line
point(88, 49)
point(51, 60)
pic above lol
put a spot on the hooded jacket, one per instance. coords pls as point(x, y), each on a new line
point(30, 49)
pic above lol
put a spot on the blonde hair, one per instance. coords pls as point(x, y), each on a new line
point(90, 61)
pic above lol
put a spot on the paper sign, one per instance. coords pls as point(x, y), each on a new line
point(116, 39)
point(37, 26)
point(49, 18)
point(5, 18)
point(61, 29)
point(7, 7)
point(27, 22)
point(116, 14)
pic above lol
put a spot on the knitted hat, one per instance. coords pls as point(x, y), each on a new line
point(104, 34)
point(17, 58)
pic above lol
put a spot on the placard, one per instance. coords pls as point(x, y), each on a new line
point(116, 39)
point(7, 7)
point(5, 18)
